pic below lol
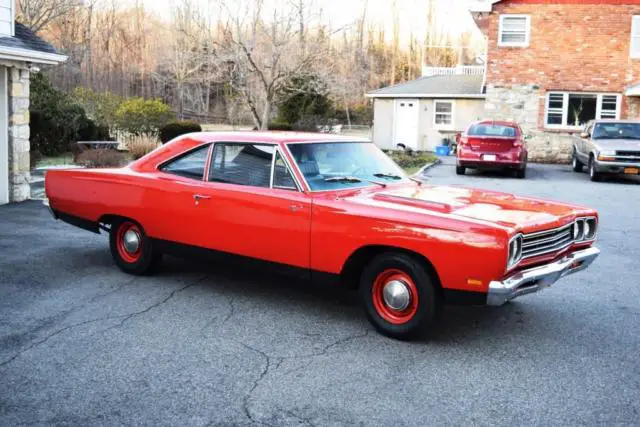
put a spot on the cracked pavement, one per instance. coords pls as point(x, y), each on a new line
point(207, 344)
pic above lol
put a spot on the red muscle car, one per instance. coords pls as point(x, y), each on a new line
point(492, 145)
point(328, 207)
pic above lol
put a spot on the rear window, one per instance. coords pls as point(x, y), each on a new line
point(492, 130)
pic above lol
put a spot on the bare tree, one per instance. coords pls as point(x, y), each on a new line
point(264, 53)
point(36, 14)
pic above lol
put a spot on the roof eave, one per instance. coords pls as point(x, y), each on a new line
point(427, 95)
point(28, 55)
point(482, 6)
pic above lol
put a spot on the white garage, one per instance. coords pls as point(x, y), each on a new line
point(420, 113)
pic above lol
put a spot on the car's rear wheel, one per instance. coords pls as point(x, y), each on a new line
point(575, 163)
point(131, 249)
point(521, 173)
point(401, 298)
point(460, 170)
point(594, 175)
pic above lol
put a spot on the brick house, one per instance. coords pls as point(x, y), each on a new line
point(554, 65)
point(21, 51)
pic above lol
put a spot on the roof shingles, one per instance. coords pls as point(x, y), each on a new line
point(459, 85)
point(26, 39)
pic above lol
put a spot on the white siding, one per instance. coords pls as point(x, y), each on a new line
point(6, 17)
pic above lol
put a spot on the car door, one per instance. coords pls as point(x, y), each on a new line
point(252, 206)
point(169, 206)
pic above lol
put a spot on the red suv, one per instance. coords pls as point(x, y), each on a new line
point(491, 145)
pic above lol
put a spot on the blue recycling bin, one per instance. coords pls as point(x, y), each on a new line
point(442, 150)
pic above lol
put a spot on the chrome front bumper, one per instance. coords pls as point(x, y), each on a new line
point(532, 280)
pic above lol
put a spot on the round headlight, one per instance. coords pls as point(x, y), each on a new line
point(578, 234)
point(515, 250)
point(591, 226)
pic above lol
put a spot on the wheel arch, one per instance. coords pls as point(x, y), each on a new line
point(107, 220)
point(355, 263)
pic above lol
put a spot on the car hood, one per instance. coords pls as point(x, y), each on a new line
point(520, 213)
point(617, 144)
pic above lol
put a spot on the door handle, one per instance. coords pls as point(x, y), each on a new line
point(198, 197)
point(296, 208)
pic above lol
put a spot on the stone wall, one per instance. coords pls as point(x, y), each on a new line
point(524, 104)
point(19, 166)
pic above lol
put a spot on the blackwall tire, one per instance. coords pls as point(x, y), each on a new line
point(141, 261)
point(424, 304)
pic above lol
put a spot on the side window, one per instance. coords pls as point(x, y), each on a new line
point(282, 175)
point(242, 164)
point(191, 165)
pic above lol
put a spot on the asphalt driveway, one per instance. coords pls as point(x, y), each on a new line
point(83, 344)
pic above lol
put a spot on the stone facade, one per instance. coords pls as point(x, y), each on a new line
point(575, 46)
point(523, 103)
point(19, 165)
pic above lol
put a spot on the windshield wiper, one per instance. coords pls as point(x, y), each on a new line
point(387, 175)
point(393, 176)
point(349, 179)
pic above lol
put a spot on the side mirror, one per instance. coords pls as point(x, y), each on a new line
point(584, 135)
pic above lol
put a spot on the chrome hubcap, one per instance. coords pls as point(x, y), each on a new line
point(131, 241)
point(396, 295)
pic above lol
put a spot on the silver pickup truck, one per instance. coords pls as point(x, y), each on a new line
point(608, 147)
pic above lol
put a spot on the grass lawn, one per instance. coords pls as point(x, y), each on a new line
point(62, 159)
point(411, 162)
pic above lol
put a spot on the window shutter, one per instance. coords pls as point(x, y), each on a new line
point(635, 36)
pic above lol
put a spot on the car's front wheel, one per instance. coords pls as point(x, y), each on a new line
point(575, 163)
point(131, 249)
point(401, 298)
point(594, 175)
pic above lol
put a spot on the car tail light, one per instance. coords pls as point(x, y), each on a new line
point(463, 141)
point(517, 143)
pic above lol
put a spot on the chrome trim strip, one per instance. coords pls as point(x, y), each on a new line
point(162, 164)
point(535, 279)
point(558, 236)
point(288, 166)
point(553, 230)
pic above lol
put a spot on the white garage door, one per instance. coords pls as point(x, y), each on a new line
point(4, 139)
point(406, 123)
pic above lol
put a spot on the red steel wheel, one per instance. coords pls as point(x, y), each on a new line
point(129, 242)
point(395, 296)
point(400, 295)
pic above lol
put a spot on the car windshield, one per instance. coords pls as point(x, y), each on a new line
point(482, 129)
point(616, 131)
point(340, 165)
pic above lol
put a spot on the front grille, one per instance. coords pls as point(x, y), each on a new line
point(628, 156)
point(628, 153)
point(544, 242)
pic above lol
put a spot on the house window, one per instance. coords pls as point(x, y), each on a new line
point(635, 37)
point(514, 30)
point(574, 110)
point(443, 114)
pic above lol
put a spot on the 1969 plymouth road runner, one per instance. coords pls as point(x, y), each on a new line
point(329, 207)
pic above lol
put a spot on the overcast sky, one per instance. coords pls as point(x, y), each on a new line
point(452, 14)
